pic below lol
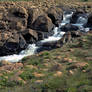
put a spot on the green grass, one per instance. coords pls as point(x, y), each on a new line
point(79, 81)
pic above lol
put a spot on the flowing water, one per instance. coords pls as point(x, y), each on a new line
point(32, 48)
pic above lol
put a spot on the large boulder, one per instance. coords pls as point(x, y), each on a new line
point(16, 18)
point(55, 14)
point(30, 35)
point(43, 23)
point(76, 14)
point(3, 25)
point(33, 14)
point(69, 27)
point(69, 37)
point(89, 23)
point(11, 43)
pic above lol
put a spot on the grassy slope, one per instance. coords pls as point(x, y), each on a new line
point(66, 69)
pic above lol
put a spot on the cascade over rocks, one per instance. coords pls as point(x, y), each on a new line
point(67, 37)
point(22, 24)
point(76, 14)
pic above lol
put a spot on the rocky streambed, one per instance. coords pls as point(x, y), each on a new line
point(27, 29)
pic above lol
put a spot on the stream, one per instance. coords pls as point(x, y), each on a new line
point(58, 34)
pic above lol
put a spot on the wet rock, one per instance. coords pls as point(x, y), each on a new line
point(69, 27)
point(89, 23)
point(69, 36)
point(47, 46)
point(76, 14)
point(40, 35)
point(55, 14)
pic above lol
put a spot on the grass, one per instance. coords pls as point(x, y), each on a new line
point(49, 62)
point(63, 60)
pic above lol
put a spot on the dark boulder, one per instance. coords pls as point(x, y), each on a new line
point(69, 37)
point(30, 35)
point(76, 15)
point(89, 23)
point(69, 27)
point(11, 43)
point(33, 14)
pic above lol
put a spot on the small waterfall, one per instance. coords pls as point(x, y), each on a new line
point(66, 18)
point(32, 48)
point(81, 22)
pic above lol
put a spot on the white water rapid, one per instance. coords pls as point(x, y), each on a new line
point(32, 48)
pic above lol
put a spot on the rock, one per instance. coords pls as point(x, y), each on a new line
point(16, 79)
point(43, 24)
point(58, 74)
point(3, 63)
point(89, 23)
point(17, 18)
point(2, 12)
point(38, 75)
point(55, 14)
point(68, 37)
point(76, 34)
point(56, 67)
point(69, 27)
point(33, 14)
point(40, 35)
point(32, 67)
point(30, 35)
point(76, 14)
point(12, 67)
point(81, 64)
point(39, 81)
point(3, 25)
point(68, 60)
point(11, 42)
point(71, 72)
